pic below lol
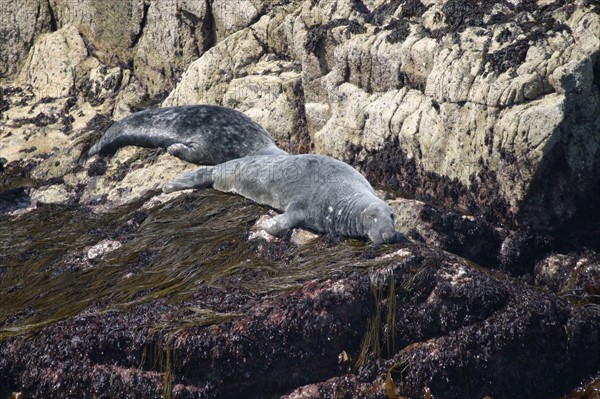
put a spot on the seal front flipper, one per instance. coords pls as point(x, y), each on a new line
point(199, 178)
point(280, 223)
point(188, 153)
point(271, 150)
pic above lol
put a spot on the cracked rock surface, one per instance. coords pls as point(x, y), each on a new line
point(477, 121)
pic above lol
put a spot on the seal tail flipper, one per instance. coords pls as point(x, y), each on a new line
point(94, 149)
point(199, 178)
point(106, 144)
point(124, 133)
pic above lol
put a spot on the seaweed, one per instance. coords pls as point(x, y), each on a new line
point(508, 57)
point(171, 270)
point(514, 54)
point(359, 6)
point(389, 167)
point(400, 29)
point(462, 14)
point(413, 8)
point(476, 13)
point(410, 9)
point(318, 33)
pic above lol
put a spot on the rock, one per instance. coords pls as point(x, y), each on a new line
point(161, 199)
point(158, 40)
point(56, 194)
point(261, 234)
point(419, 306)
point(265, 90)
point(471, 107)
point(173, 36)
point(206, 79)
point(302, 237)
point(575, 276)
point(366, 90)
point(20, 25)
point(497, 104)
point(466, 236)
point(270, 101)
point(32, 127)
point(258, 230)
point(102, 85)
point(130, 175)
point(50, 67)
point(102, 248)
point(231, 17)
point(129, 97)
point(336, 387)
point(111, 30)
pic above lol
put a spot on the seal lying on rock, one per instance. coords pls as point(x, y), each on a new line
point(314, 192)
point(201, 134)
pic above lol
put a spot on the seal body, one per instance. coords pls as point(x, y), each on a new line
point(201, 134)
point(315, 192)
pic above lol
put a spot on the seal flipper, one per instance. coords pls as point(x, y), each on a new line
point(199, 178)
point(280, 223)
point(271, 150)
point(182, 151)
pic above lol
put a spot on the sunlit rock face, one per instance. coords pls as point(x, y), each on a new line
point(462, 104)
point(476, 121)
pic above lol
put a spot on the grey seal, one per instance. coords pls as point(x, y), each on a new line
point(200, 134)
point(315, 192)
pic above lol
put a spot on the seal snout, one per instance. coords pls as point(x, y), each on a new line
point(386, 236)
point(390, 236)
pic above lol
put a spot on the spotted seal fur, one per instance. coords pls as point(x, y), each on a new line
point(200, 134)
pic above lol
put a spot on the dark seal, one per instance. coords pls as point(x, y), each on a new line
point(315, 192)
point(201, 134)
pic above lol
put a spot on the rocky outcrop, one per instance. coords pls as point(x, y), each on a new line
point(431, 316)
point(172, 37)
point(486, 111)
point(242, 73)
point(478, 113)
point(50, 69)
point(20, 25)
point(477, 121)
point(572, 275)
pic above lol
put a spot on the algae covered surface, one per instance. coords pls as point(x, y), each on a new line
point(478, 119)
point(177, 299)
point(167, 252)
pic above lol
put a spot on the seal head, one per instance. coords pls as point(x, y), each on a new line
point(377, 220)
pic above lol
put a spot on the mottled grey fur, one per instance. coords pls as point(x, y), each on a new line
point(201, 134)
point(316, 192)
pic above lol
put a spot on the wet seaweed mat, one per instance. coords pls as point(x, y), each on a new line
point(168, 252)
point(182, 304)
